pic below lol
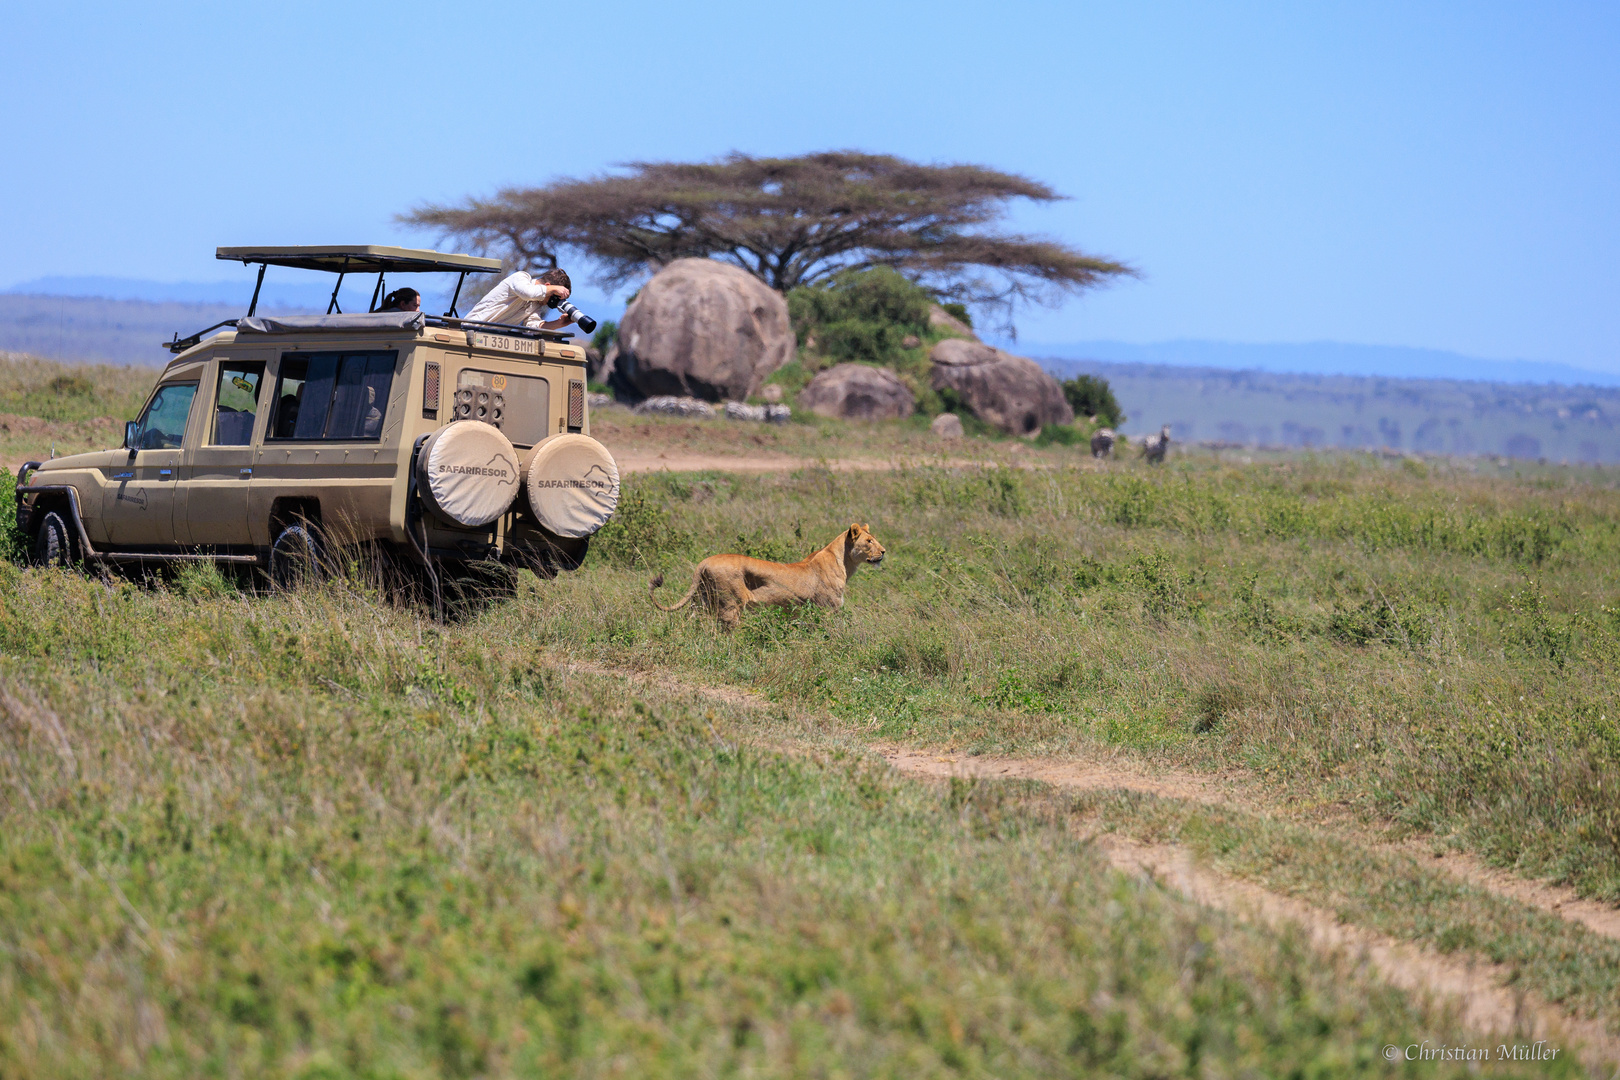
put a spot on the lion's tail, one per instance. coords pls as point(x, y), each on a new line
point(658, 583)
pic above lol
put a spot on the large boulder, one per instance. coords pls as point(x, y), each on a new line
point(1010, 392)
point(703, 329)
point(940, 319)
point(858, 392)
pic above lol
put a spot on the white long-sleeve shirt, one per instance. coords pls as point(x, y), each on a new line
point(519, 300)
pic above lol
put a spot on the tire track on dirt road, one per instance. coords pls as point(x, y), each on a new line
point(1487, 1005)
point(1475, 984)
point(1556, 900)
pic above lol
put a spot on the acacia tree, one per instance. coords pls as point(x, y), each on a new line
point(790, 222)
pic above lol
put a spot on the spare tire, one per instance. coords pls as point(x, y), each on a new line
point(467, 473)
point(572, 485)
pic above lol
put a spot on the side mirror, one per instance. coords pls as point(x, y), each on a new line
point(132, 431)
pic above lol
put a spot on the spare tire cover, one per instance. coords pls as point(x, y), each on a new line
point(572, 484)
point(468, 473)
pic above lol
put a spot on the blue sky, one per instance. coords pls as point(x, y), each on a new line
point(1433, 175)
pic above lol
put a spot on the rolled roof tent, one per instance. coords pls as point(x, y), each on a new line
point(347, 259)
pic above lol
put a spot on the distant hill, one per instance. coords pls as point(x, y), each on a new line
point(304, 291)
point(1440, 416)
point(112, 331)
point(1324, 358)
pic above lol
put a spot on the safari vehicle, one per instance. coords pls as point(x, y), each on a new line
point(267, 439)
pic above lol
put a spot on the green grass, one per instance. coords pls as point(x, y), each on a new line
point(1434, 651)
point(316, 835)
point(312, 836)
point(54, 391)
point(1392, 893)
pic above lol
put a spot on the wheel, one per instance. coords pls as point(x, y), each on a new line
point(53, 543)
point(296, 557)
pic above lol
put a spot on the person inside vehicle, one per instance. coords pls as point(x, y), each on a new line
point(406, 299)
point(520, 300)
point(287, 413)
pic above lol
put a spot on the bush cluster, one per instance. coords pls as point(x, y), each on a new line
point(1090, 395)
point(860, 316)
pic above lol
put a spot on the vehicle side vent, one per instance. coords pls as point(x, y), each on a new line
point(430, 390)
point(576, 405)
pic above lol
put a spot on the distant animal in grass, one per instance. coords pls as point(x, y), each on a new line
point(728, 585)
point(1102, 443)
point(1154, 446)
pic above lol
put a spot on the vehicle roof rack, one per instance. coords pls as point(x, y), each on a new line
point(361, 259)
point(346, 259)
point(343, 260)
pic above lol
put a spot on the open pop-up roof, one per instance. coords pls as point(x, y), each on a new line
point(361, 259)
point(343, 259)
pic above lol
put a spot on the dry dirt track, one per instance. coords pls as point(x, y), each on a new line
point(1478, 987)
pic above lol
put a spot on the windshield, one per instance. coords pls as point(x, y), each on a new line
point(163, 425)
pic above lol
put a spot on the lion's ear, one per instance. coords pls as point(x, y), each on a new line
point(854, 528)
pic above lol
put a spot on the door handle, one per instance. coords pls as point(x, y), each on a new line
point(245, 473)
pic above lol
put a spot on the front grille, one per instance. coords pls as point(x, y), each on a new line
point(576, 405)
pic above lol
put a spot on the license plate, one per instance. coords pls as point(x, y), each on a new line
point(504, 343)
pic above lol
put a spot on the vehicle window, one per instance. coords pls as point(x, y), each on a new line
point(336, 395)
point(236, 403)
point(163, 424)
point(520, 405)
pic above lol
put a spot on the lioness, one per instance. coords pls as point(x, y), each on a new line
point(728, 585)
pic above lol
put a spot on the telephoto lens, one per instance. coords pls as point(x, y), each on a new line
point(586, 323)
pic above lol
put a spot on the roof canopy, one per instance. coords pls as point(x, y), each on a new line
point(361, 259)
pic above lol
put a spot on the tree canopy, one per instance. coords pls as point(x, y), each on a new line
point(789, 221)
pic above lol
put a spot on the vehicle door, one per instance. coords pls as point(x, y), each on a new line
point(211, 509)
point(323, 442)
point(139, 504)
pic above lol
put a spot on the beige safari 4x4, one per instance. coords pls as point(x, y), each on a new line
point(444, 441)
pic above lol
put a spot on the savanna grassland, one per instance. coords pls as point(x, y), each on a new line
point(317, 834)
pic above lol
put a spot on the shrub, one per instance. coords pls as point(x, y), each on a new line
point(1384, 618)
point(1060, 435)
point(1534, 628)
point(860, 316)
point(1214, 704)
point(606, 334)
point(639, 535)
point(959, 312)
point(1090, 395)
point(72, 386)
point(13, 542)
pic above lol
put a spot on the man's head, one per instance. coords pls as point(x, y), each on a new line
point(555, 276)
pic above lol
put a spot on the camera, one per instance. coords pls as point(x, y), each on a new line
point(564, 308)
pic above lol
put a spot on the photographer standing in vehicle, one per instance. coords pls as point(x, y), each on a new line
point(521, 300)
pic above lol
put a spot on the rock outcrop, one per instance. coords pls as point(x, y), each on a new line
point(947, 426)
point(1010, 392)
point(858, 392)
point(940, 319)
point(701, 328)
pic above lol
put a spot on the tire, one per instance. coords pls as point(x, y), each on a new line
point(53, 543)
point(297, 557)
point(549, 556)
